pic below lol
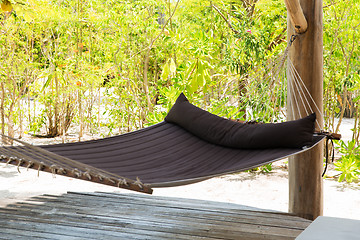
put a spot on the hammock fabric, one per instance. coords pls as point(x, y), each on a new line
point(162, 155)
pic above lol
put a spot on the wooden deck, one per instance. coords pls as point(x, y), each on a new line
point(135, 216)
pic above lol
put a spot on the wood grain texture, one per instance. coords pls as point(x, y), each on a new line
point(133, 216)
point(296, 16)
point(306, 53)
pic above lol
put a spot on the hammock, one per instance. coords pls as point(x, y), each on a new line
point(166, 154)
point(191, 145)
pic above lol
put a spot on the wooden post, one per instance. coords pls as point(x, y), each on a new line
point(306, 53)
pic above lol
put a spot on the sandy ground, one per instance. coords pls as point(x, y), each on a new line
point(260, 190)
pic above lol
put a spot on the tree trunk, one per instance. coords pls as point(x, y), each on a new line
point(11, 132)
point(2, 108)
point(146, 81)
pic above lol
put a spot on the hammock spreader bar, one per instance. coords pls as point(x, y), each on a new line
point(35, 157)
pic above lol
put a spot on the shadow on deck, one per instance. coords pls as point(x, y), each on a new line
point(136, 216)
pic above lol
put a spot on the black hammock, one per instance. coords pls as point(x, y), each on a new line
point(191, 145)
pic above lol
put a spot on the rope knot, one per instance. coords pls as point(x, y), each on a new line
point(88, 175)
point(30, 164)
point(20, 161)
point(61, 171)
point(139, 183)
point(122, 182)
point(53, 169)
point(41, 166)
point(10, 159)
point(100, 177)
point(76, 172)
point(110, 180)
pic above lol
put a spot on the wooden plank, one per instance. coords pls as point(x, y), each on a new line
point(111, 204)
point(256, 223)
point(249, 217)
point(192, 202)
point(16, 233)
point(133, 226)
point(129, 214)
point(170, 230)
point(6, 236)
point(305, 169)
point(14, 236)
point(29, 227)
point(188, 203)
point(85, 222)
point(166, 224)
point(153, 201)
point(245, 217)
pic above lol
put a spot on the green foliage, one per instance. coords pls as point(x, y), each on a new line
point(263, 169)
point(341, 61)
point(349, 164)
point(341, 78)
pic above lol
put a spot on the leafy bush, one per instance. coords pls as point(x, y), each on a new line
point(349, 164)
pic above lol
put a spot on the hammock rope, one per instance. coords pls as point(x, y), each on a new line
point(307, 94)
point(254, 87)
point(263, 82)
point(272, 90)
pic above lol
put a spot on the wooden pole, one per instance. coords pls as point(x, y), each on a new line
point(306, 53)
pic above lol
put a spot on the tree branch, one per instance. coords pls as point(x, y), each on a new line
point(163, 28)
point(226, 20)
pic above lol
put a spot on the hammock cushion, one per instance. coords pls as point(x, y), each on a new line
point(224, 132)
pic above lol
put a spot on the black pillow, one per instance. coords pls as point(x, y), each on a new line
point(221, 131)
